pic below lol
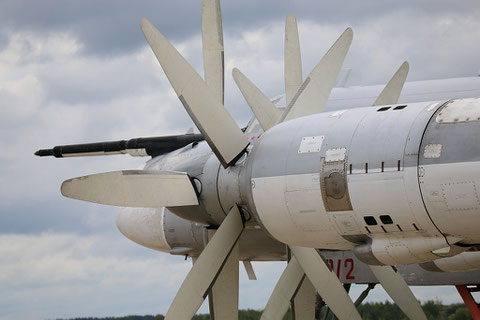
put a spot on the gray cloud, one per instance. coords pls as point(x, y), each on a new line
point(112, 27)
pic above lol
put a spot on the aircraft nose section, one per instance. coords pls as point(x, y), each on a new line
point(143, 226)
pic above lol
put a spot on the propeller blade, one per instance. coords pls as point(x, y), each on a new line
point(398, 290)
point(303, 304)
point(199, 280)
point(264, 109)
point(212, 40)
point(223, 297)
point(342, 83)
point(214, 122)
point(133, 188)
point(326, 282)
point(392, 90)
point(284, 291)
point(249, 269)
point(313, 94)
point(293, 59)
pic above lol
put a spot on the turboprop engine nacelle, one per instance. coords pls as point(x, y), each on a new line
point(401, 181)
point(160, 229)
point(465, 261)
point(218, 189)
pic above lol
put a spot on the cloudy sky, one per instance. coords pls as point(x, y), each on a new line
point(81, 71)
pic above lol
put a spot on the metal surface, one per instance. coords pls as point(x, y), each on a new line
point(303, 304)
point(333, 181)
point(413, 91)
point(460, 110)
point(202, 276)
point(223, 296)
point(432, 151)
point(380, 176)
point(313, 94)
point(311, 144)
point(133, 188)
point(392, 90)
point(212, 41)
point(398, 290)
point(182, 233)
point(326, 283)
point(292, 59)
point(145, 226)
point(137, 147)
point(214, 122)
point(465, 261)
point(469, 301)
point(450, 182)
point(263, 109)
point(284, 291)
point(249, 269)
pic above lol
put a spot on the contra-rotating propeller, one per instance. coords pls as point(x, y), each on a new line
point(215, 272)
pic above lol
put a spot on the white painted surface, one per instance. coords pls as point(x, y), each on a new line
point(337, 154)
point(265, 111)
point(452, 197)
point(224, 293)
point(304, 301)
point(133, 188)
point(432, 151)
point(395, 249)
point(415, 202)
point(191, 294)
point(284, 291)
point(322, 79)
point(466, 261)
point(212, 119)
point(212, 41)
point(376, 194)
point(293, 59)
point(432, 106)
point(311, 144)
point(392, 90)
point(398, 290)
point(291, 208)
point(460, 110)
point(143, 226)
point(249, 269)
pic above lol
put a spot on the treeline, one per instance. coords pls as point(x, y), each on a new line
point(369, 311)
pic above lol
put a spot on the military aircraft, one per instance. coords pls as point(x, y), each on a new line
point(333, 186)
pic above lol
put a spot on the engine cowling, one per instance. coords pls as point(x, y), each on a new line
point(359, 177)
point(161, 230)
point(465, 261)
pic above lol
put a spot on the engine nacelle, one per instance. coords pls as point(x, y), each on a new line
point(408, 250)
point(217, 188)
point(400, 181)
point(143, 226)
point(161, 230)
point(465, 261)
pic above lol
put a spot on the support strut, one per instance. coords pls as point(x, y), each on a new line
point(465, 292)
